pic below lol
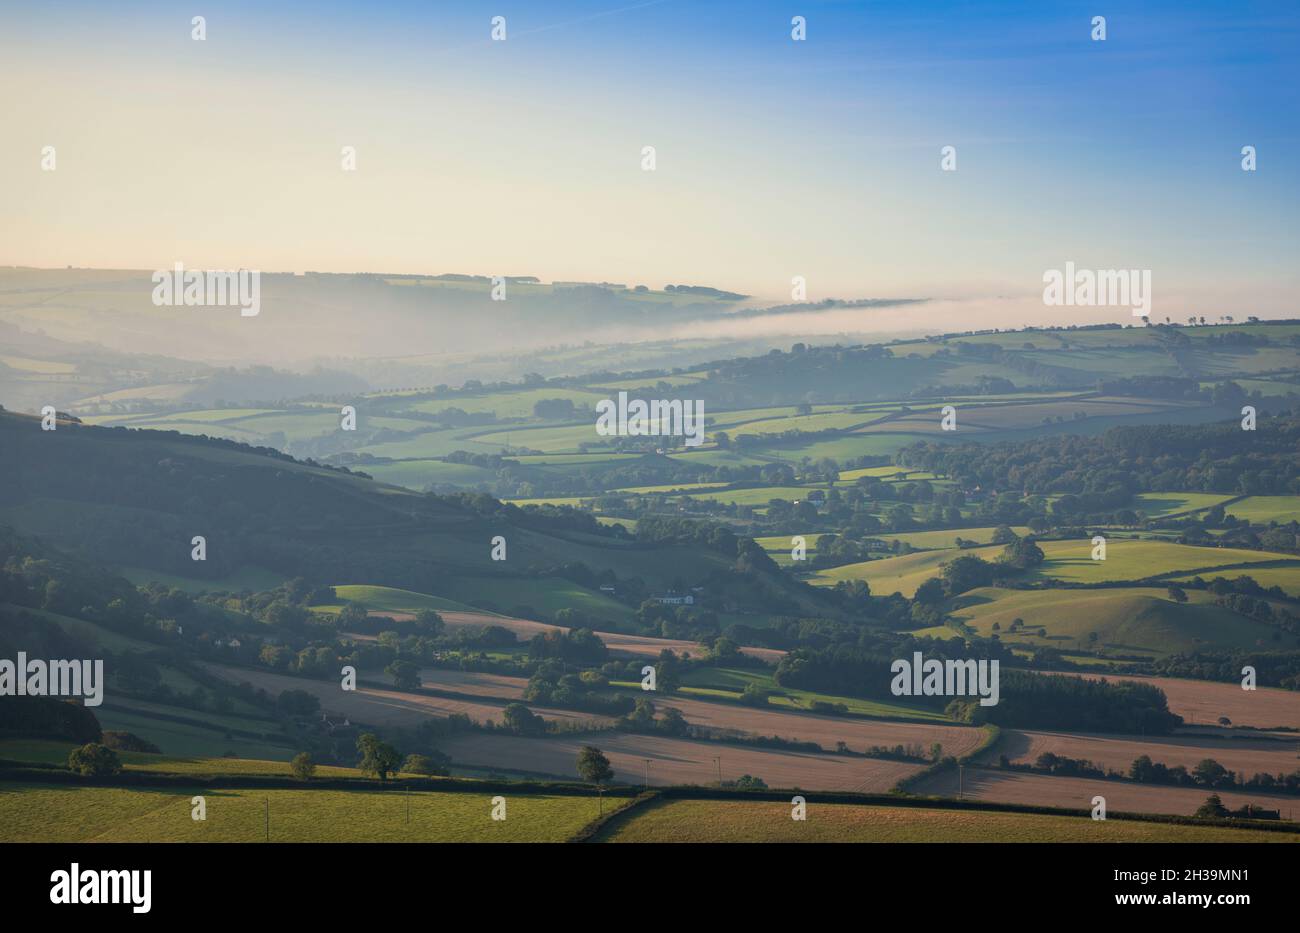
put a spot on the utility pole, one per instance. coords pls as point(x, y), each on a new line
point(959, 781)
point(268, 819)
point(718, 761)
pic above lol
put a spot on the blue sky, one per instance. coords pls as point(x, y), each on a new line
point(775, 157)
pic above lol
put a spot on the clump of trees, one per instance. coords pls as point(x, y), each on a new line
point(94, 760)
point(377, 756)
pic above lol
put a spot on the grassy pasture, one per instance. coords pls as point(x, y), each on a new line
point(37, 367)
point(728, 683)
point(61, 813)
point(1264, 509)
point(181, 740)
point(545, 594)
point(55, 752)
point(255, 579)
point(391, 599)
point(899, 574)
point(947, 539)
point(689, 488)
point(1285, 575)
point(650, 382)
point(1134, 560)
point(416, 474)
point(760, 495)
point(1069, 561)
point(1160, 504)
point(516, 404)
point(1127, 620)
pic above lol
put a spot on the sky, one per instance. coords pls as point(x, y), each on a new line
point(774, 158)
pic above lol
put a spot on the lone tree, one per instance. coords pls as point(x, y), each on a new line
point(593, 766)
point(94, 760)
point(523, 721)
point(1212, 809)
point(303, 766)
point(377, 757)
point(405, 674)
point(428, 622)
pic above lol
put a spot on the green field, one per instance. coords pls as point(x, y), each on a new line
point(62, 813)
point(763, 821)
point(1285, 575)
point(729, 684)
point(1125, 620)
point(1163, 504)
point(253, 579)
point(758, 496)
point(899, 574)
point(1264, 509)
point(416, 474)
point(1135, 560)
point(391, 599)
point(55, 752)
point(1069, 561)
point(947, 538)
point(545, 594)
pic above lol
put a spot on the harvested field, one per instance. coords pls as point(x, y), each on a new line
point(826, 731)
point(766, 821)
point(1047, 790)
point(1245, 755)
point(618, 642)
point(1202, 702)
point(388, 707)
point(677, 761)
point(498, 686)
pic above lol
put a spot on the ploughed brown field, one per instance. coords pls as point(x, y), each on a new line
point(1202, 702)
point(677, 761)
point(617, 642)
point(499, 686)
point(826, 731)
point(1246, 755)
point(1076, 793)
point(388, 707)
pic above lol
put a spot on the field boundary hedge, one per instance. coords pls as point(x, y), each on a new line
point(24, 772)
point(948, 803)
point(589, 832)
point(992, 736)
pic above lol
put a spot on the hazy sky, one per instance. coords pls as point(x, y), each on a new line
point(775, 158)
